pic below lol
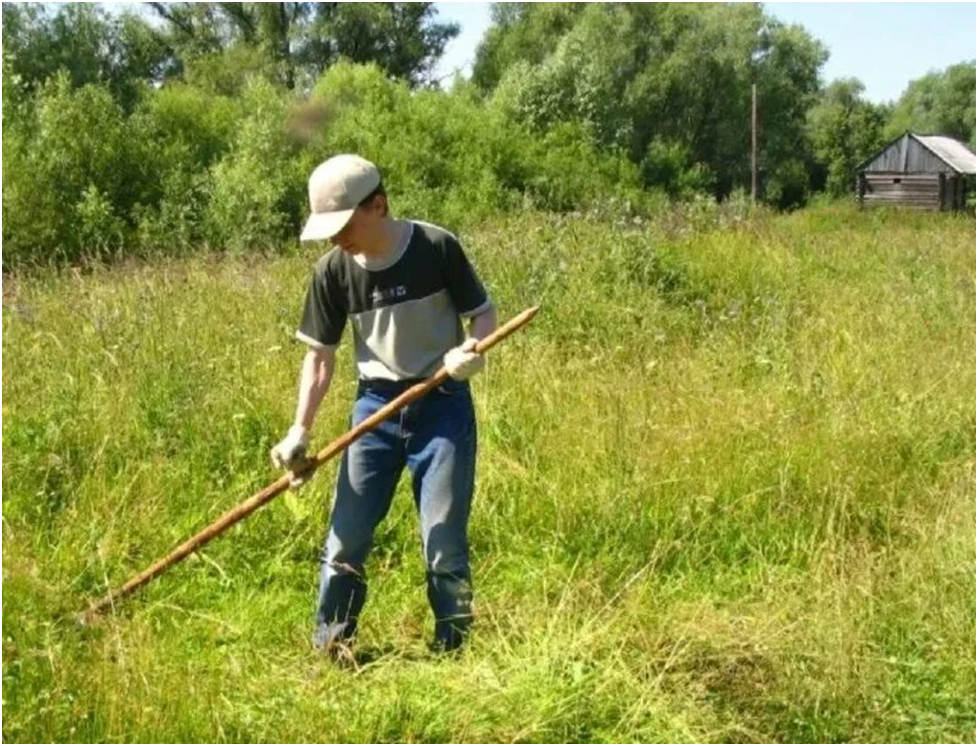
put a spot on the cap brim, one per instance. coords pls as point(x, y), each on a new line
point(323, 226)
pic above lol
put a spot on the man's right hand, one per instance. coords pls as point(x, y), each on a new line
point(290, 454)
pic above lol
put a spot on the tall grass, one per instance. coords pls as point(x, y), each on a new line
point(725, 492)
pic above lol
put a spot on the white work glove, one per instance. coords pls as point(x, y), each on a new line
point(291, 454)
point(463, 362)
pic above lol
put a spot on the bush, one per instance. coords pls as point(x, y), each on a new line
point(193, 168)
point(188, 130)
point(454, 158)
point(73, 173)
point(255, 203)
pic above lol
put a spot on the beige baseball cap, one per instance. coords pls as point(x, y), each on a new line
point(336, 187)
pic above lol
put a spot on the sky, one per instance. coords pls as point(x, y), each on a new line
point(885, 45)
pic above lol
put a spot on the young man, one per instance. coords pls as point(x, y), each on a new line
point(405, 287)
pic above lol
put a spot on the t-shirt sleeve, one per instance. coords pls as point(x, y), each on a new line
point(464, 286)
point(323, 316)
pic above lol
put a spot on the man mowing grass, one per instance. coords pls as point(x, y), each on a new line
point(405, 286)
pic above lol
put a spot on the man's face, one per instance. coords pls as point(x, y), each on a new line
point(364, 228)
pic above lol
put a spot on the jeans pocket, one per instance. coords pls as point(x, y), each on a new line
point(451, 387)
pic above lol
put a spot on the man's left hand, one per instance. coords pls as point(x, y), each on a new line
point(463, 362)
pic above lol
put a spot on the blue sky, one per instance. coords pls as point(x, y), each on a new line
point(885, 45)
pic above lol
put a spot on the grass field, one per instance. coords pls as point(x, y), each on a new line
point(726, 492)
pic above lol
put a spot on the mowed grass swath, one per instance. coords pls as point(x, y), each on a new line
point(726, 491)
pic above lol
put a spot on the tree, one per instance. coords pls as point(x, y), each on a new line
point(84, 41)
point(940, 103)
point(520, 32)
point(667, 84)
point(844, 129)
point(299, 40)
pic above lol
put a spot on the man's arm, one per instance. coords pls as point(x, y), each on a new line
point(463, 362)
point(314, 381)
point(484, 324)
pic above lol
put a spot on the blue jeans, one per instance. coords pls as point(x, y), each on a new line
point(436, 438)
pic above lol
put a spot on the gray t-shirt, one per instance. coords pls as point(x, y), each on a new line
point(405, 313)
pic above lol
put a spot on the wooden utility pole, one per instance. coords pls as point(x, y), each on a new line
point(753, 143)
